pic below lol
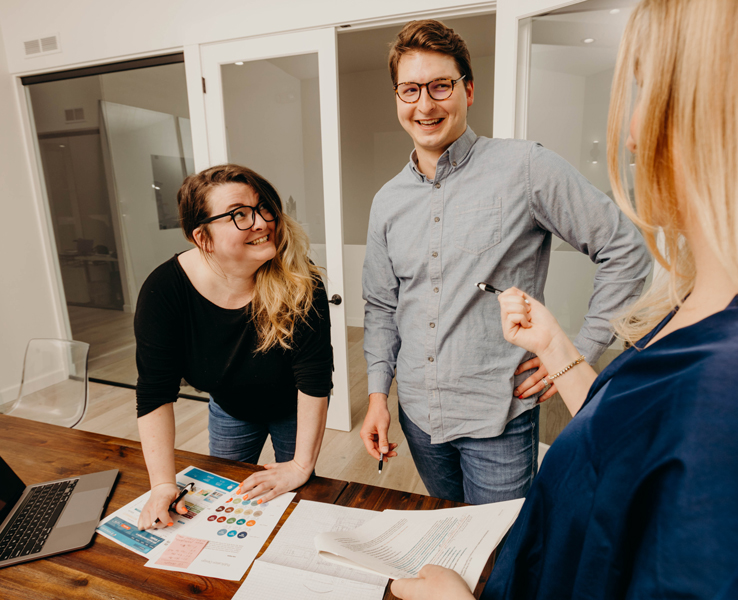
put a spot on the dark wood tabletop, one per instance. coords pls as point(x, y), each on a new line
point(38, 452)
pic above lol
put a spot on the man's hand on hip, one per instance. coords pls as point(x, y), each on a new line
point(374, 431)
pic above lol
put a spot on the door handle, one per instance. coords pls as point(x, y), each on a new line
point(335, 299)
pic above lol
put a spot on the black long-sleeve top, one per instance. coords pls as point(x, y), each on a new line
point(181, 334)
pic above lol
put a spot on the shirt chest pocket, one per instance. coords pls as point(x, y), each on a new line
point(479, 229)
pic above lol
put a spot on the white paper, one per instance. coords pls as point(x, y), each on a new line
point(234, 538)
point(122, 525)
point(233, 528)
point(291, 567)
point(398, 543)
point(267, 580)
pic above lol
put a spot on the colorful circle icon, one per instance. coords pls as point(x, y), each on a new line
point(220, 509)
point(250, 523)
point(248, 511)
point(240, 521)
point(212, 518)
point(221, 519)
point(222, 531)
point(237, 501)
point(254, 502)
point(231, 520)
point(232, 533)
point(230, 509)
point(258, 513)
point(242, 534)
point(238, 511)
point(264, 504)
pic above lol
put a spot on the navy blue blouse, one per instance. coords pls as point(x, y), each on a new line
point(638, 497)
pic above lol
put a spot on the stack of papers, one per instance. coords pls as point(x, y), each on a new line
point(398, 543)
point(291, 567)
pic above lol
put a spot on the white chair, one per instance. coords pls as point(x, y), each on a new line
point(54, 383)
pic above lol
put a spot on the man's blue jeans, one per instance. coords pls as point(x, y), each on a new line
point(477, 471)
point(243, 440)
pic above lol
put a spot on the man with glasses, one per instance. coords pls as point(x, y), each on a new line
point(469, 209)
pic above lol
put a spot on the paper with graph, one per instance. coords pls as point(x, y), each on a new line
point(398, 543)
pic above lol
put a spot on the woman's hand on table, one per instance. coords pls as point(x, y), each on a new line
point(432, 582)
point(276, 479)
point(157, 507)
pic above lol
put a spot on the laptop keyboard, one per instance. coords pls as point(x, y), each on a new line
point(31, 525)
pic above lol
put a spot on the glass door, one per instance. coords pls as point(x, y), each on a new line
point(271, 104)
point(553, 72)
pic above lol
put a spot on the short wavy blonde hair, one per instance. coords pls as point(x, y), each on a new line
point(283, 293)
point(684, 56)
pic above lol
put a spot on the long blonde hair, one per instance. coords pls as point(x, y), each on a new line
point(283, 291)
point(684, 56)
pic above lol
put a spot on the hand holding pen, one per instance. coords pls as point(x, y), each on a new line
point(537, 382)
point(183, 491)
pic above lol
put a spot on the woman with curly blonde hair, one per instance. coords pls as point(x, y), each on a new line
point(637, 496)
point(244, 317)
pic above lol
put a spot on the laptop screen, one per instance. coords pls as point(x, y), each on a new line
point(11, 489)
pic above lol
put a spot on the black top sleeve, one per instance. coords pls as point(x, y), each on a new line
point(180, 334)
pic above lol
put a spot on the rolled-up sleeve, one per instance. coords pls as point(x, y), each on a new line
point(565, 203)
point(380, 291)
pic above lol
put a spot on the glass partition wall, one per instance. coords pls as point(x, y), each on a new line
point(565, 70)
point(114, 147)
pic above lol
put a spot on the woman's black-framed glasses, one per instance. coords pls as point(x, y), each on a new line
point(438, 89)
point(244, 217)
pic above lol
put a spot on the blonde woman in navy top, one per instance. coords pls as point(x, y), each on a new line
point(637, 497)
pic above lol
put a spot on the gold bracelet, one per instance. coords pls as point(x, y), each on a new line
point(566, 368)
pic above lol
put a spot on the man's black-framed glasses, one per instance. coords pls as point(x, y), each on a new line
point(244, 217)
point(438, 89)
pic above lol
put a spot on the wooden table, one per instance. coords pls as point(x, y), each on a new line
point(39, 452)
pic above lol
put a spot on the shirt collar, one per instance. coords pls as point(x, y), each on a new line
point(455, 153)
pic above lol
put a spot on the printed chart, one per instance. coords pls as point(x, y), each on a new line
point(219, 536)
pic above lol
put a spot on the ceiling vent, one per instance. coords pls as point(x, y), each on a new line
point(74, 115)
point(41, 46)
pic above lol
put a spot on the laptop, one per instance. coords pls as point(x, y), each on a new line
point(49, 518)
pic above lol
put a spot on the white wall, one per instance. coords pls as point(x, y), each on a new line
point(555, 112)
point(94, 30)
point(594, 127)
point(28, 307)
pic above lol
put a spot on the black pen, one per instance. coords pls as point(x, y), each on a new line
point(182, 493)
point(486, 287)
point(381, 460)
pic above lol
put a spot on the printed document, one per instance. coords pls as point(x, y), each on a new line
point(291, 567)
point(398, 543)
point(220, 535)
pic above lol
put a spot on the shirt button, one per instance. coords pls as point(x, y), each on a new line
point(432, 325)
point(430, 359)
point(437, 219)
point(435, 290)
point(435, 255)
point(454, 163)
point(438, 185)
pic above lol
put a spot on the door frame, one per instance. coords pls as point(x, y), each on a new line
point(323, 43)
point(511, 91)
